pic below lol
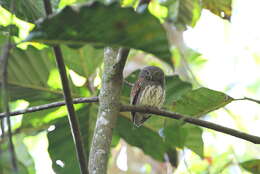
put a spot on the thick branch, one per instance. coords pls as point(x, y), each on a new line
point(109, 100)
point(192, 120)
point(73, 120)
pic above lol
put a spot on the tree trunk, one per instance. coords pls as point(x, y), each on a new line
point(109, 100)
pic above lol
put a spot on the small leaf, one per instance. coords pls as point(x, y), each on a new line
point(251, 166)
point(200, 101)
point(104, 26)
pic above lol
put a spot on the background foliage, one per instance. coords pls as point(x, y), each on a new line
point(42, 139)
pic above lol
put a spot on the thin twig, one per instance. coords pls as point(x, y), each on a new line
point(249, 99)
point(128, 83)
point(50, 105)
point(74, 123)
point(4, 63)
point(192, 120)
point(4, 73)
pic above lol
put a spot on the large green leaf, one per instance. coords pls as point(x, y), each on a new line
point(222, 8)
point(33, 76)
point(84, 61)
point(28, 10)
point(251, 166)
point(175, 88)
point(104, 26)
point(182, 135)
point(61, 146)
point(150, 142)
point(200, 101)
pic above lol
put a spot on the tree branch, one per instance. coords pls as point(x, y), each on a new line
point(74, 123)
point(124, 108)
point(249, 99)
point(5, 95)
point(4, 74)
point(50, 105)
point(192, 120)
point(109, 100)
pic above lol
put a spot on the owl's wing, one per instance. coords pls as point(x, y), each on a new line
point(135, 92)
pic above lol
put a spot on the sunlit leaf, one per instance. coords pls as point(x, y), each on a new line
point(28, 10)
point(200, 101)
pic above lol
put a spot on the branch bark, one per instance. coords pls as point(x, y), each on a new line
point(109, 108)
point(124, 108)
point(192, 120)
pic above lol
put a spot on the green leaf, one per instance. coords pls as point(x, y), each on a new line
point(252, 166)
point(28, 10)
point(200, 101)
point(146, 139)
point(104, 26)
point(61, 146)
point(175, 88)
point(184, 12)
point(13, 29)
point(178, 134)
point(84, 61)
point(193, 139)
point(222, 8)
point(24, 167)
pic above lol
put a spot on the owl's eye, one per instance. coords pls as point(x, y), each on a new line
point(147, 75)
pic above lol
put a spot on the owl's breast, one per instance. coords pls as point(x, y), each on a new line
point(152, 95)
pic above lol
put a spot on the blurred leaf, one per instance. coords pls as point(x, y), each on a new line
point(183, 12)
point(13, 29)
point(200, 101)
point(178, 134)
point(84, 61)
point(5, 159)
point(252, 166)
point(61, 146)
point(173, 157)
point(222, 8)
point(194, 139)
point(147, 140)
point(127, 28)
point(28, 10)
point(23, 154)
